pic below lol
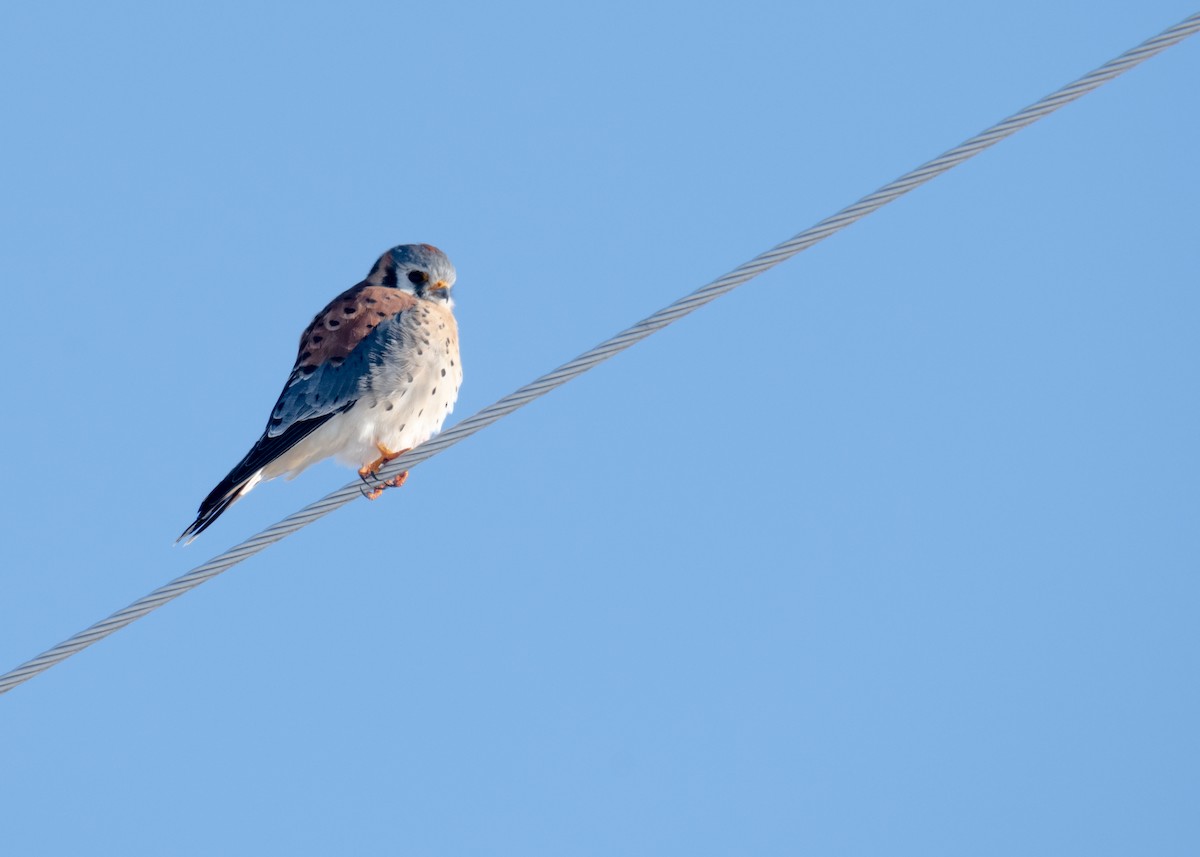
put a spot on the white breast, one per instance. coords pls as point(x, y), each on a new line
point(410, 393)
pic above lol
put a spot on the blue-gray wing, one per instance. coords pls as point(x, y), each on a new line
point(336, 354)
point(332, 371)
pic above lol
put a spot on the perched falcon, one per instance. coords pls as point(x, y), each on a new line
point(378, 372)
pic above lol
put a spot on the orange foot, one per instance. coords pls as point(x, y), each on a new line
point(369, 471)
point(395, 482)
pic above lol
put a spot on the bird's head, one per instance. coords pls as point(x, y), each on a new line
point(419, 269)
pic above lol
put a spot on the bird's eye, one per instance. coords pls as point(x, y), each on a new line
point(418, 278)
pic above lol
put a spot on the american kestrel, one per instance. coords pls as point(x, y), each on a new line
point(377, 373)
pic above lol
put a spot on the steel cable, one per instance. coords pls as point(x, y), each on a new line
point(589, 359)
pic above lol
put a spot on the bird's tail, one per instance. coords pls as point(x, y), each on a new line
point(249, 471)
point(218, 500)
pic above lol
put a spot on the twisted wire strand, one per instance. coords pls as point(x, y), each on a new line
point(609, 348)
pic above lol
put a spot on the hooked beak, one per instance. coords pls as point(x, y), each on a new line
point(438, 286)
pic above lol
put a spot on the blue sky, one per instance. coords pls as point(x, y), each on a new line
point(892, 551)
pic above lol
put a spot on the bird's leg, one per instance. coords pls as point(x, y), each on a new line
point(369, 470)
point(385, 455)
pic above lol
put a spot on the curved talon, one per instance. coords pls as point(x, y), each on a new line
point(385, 455)
point(368, 473)
point(395, 482)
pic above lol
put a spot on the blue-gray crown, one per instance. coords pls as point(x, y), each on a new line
point(421, 269)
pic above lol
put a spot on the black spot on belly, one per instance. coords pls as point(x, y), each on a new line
point(389, 406)
point(443, 373)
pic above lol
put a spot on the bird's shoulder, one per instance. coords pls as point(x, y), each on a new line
point(347, 320)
